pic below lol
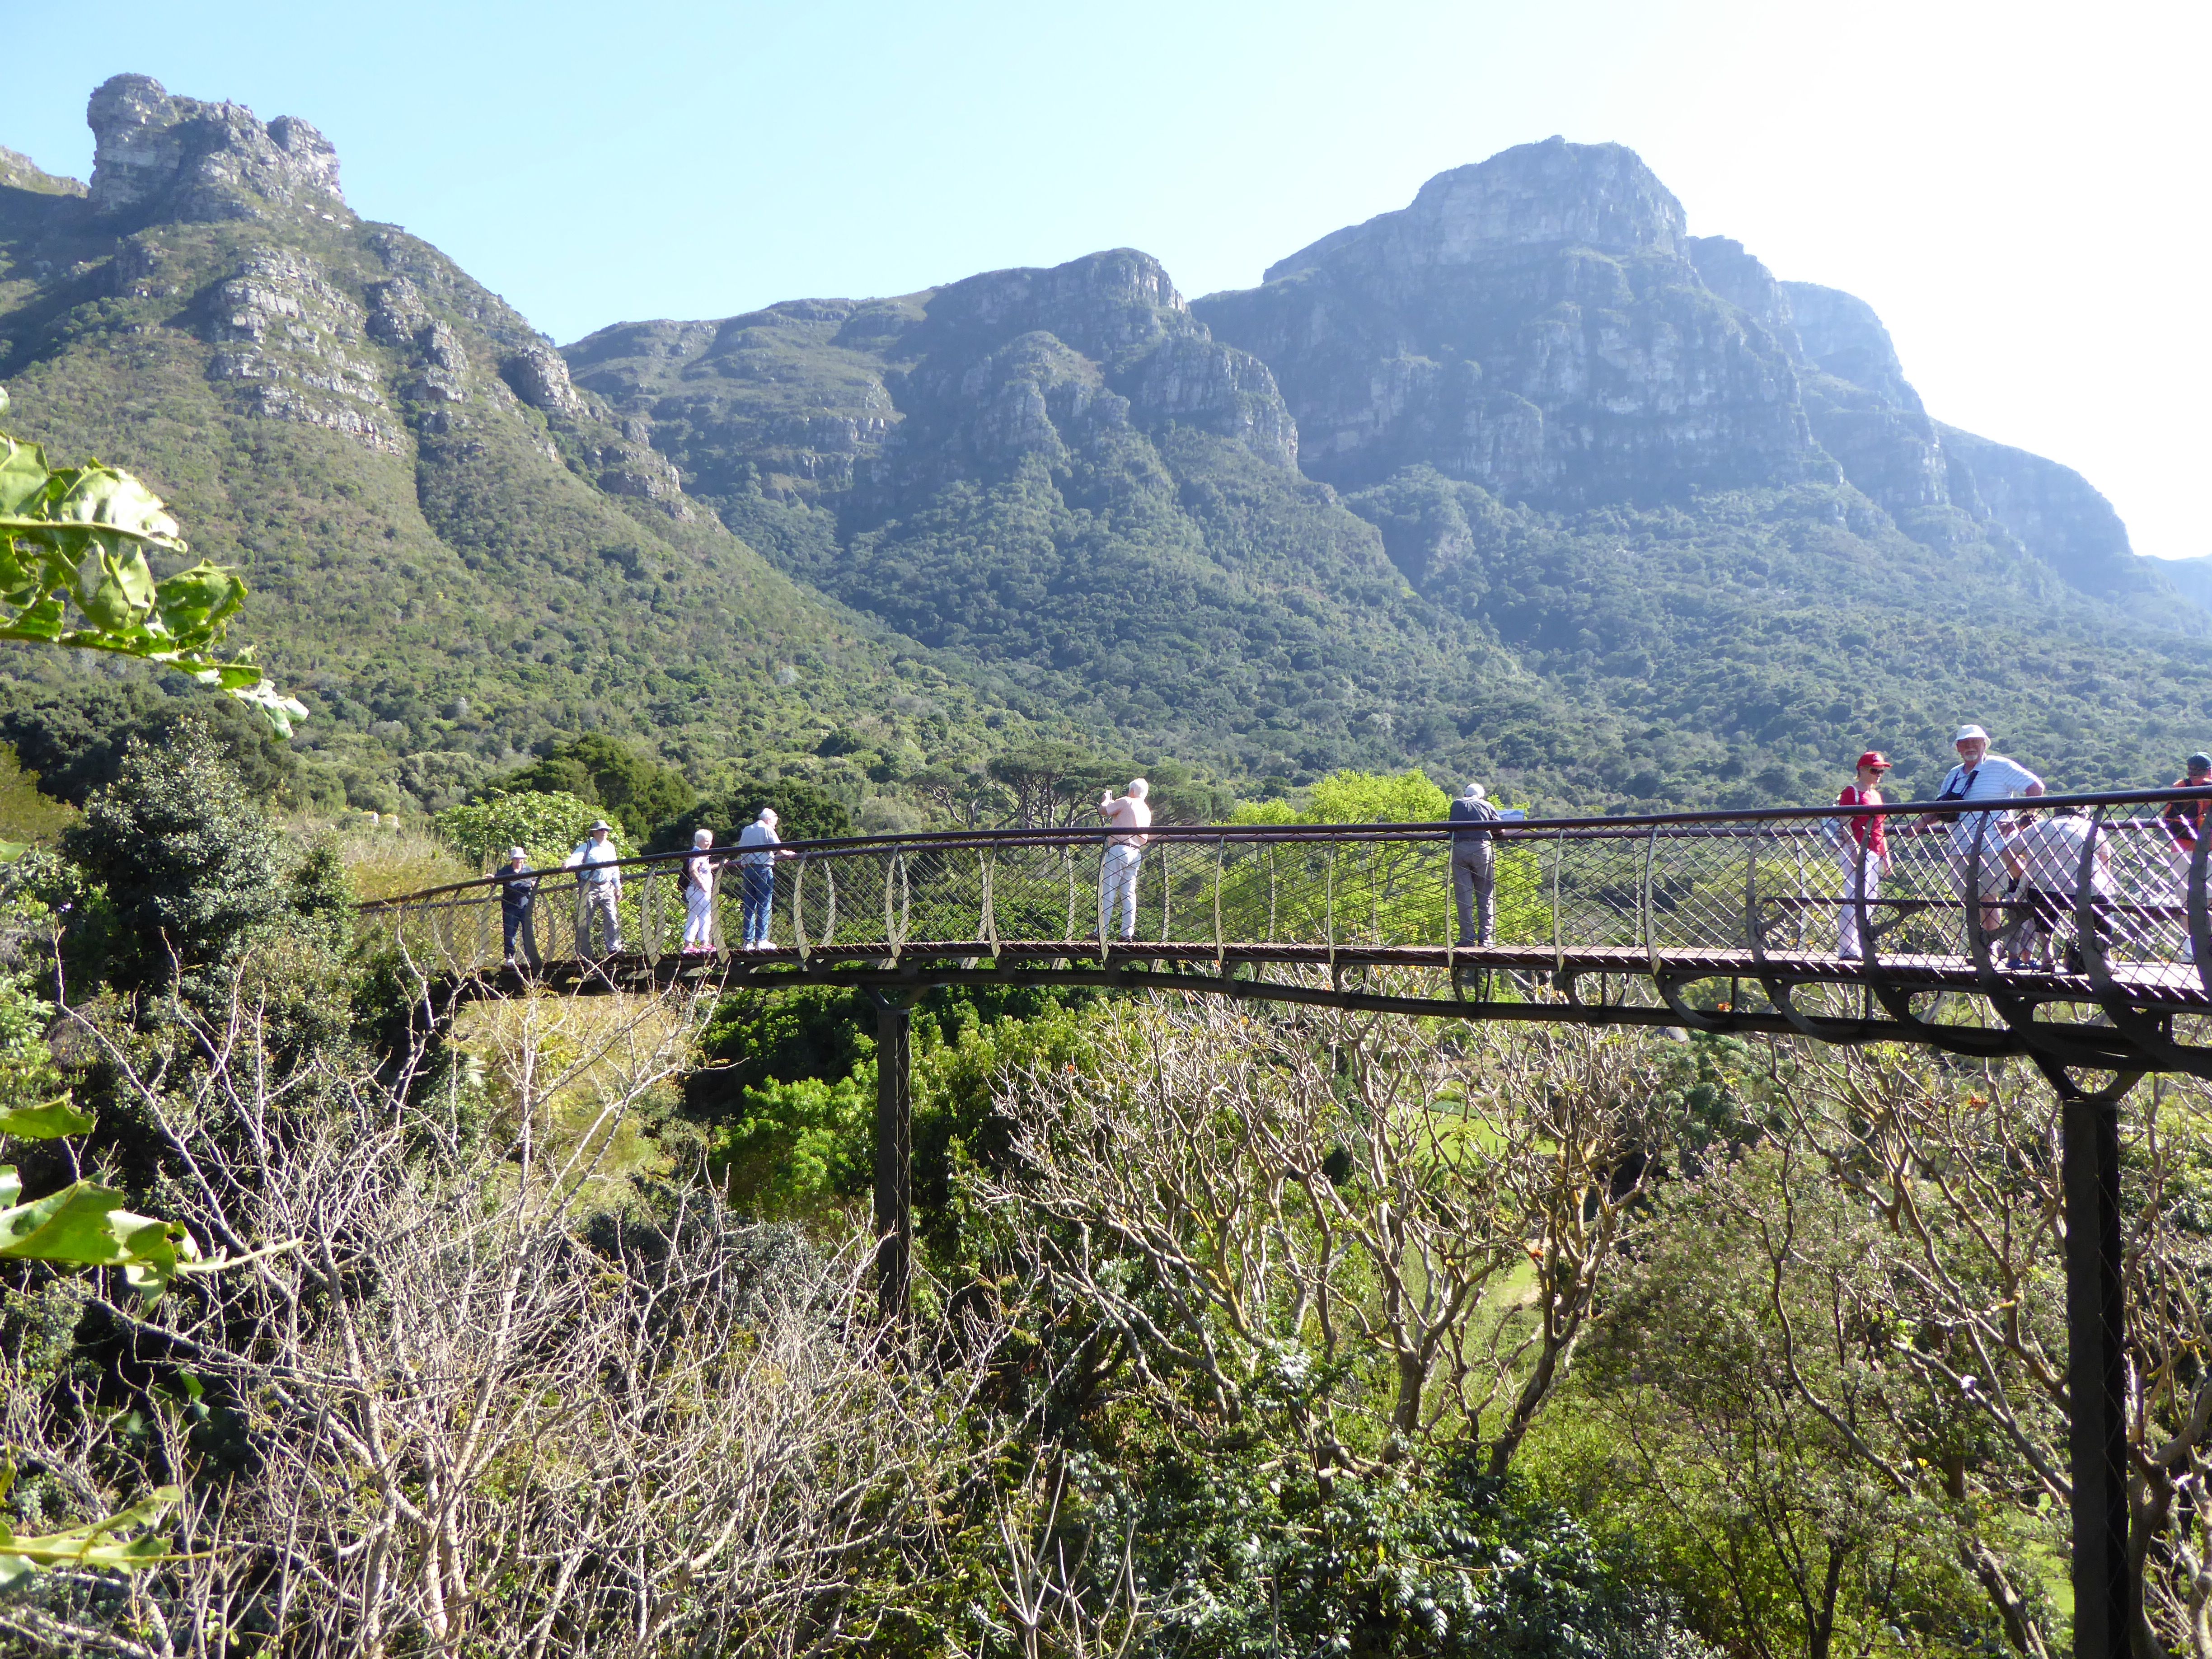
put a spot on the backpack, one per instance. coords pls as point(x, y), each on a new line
point(1951, 794)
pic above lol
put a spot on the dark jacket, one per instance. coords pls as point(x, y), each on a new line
point(518, 892)
point(1466, 816)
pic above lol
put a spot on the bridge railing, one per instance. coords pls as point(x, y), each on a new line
point(2088, 889)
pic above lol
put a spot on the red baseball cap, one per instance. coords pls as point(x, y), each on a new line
point(1875, 759)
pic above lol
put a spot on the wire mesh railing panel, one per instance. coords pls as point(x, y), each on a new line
point(1597, 889)
point(1797, 888)
point(2139, 905)
point(1916, 907)
point(1694, 891)
point(941, 895)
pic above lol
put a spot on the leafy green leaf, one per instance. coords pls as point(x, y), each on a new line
point(85, 1225)
point(92, 1545)
point(50, 1122)
point(115, 588)
point(11, 1184)
point(194, 602)
point(279, 710)
point(22, 474)
point(93, 494)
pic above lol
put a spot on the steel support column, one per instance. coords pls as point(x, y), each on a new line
point(2096, 1380)
point(894, 1156)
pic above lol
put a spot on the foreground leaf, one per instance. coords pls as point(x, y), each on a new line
point(50, 1122)
point(94, 1545)
point(85, 1225)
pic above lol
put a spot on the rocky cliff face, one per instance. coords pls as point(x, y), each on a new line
point(183, 159)
point(817, 398)
point(1533, 325)
point(1541, 325)
point(433, 517)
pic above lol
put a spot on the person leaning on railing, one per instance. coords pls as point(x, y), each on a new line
point(1117, 870)
point(598, 890)
point(1474, 867)
point(759, 848)
point(1864, 850)
point(2185, 819)
point(1980, 775)
point(696, 883)
point(2046, 857)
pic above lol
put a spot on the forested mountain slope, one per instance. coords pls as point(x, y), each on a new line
point(1638, 536)
point(455, 555)
point(1522, 480)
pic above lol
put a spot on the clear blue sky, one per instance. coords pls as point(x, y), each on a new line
point(2018, 190)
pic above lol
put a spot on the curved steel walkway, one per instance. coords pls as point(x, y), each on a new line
point(1716, 921)
point(2071, 931)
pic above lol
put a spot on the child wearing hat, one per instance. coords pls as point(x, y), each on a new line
point(1864, 851)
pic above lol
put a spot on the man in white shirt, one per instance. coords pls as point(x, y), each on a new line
point(1117, 875)
point(1980, 775)
point(2046, 855)
point(598, 890)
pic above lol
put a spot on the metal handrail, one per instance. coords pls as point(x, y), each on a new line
point(1717, 821)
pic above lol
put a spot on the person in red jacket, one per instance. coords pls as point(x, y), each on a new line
point(2185, 819)
point(1863, 848)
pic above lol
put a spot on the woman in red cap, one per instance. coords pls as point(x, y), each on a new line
point(1864, 851)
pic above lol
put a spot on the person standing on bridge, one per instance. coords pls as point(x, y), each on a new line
point(2046, 856)
point(518, 901)
point(1474, 866)
point(757, 845)
point(2185, 819)
point(1125, 852)
point(2184, 827)
point(1864, 851)
point(598, 890)
point(697, 881)
point(1981, 775)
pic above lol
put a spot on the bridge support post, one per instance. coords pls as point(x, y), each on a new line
point(2096, 1381)
point(894, 1157)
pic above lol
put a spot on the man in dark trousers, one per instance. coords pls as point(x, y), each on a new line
point(1474, 877)
point(517, 898)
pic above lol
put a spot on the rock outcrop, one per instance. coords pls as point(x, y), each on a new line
point(1534, 325)
point(1541, 325)
point(187, 159)
point(905, 396)
point(283, 328)
point(1862, 408)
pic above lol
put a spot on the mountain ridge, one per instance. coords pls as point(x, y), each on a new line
point(1580, 503)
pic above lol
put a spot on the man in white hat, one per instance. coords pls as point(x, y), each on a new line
point(598, 890)
point(1474, 867)
point(518, 901)
point(1981, 775)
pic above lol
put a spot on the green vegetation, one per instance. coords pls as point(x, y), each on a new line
point(1240, 1329)
point(80, 537)
point(546, 823)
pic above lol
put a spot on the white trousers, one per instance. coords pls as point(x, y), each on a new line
point(698, 916)
point(1848, 942)
point(1117, 883)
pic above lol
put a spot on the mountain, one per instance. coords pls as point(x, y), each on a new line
point(1061, 473)
point(455, 555)
point(1526, 481)
point(1520, 481)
